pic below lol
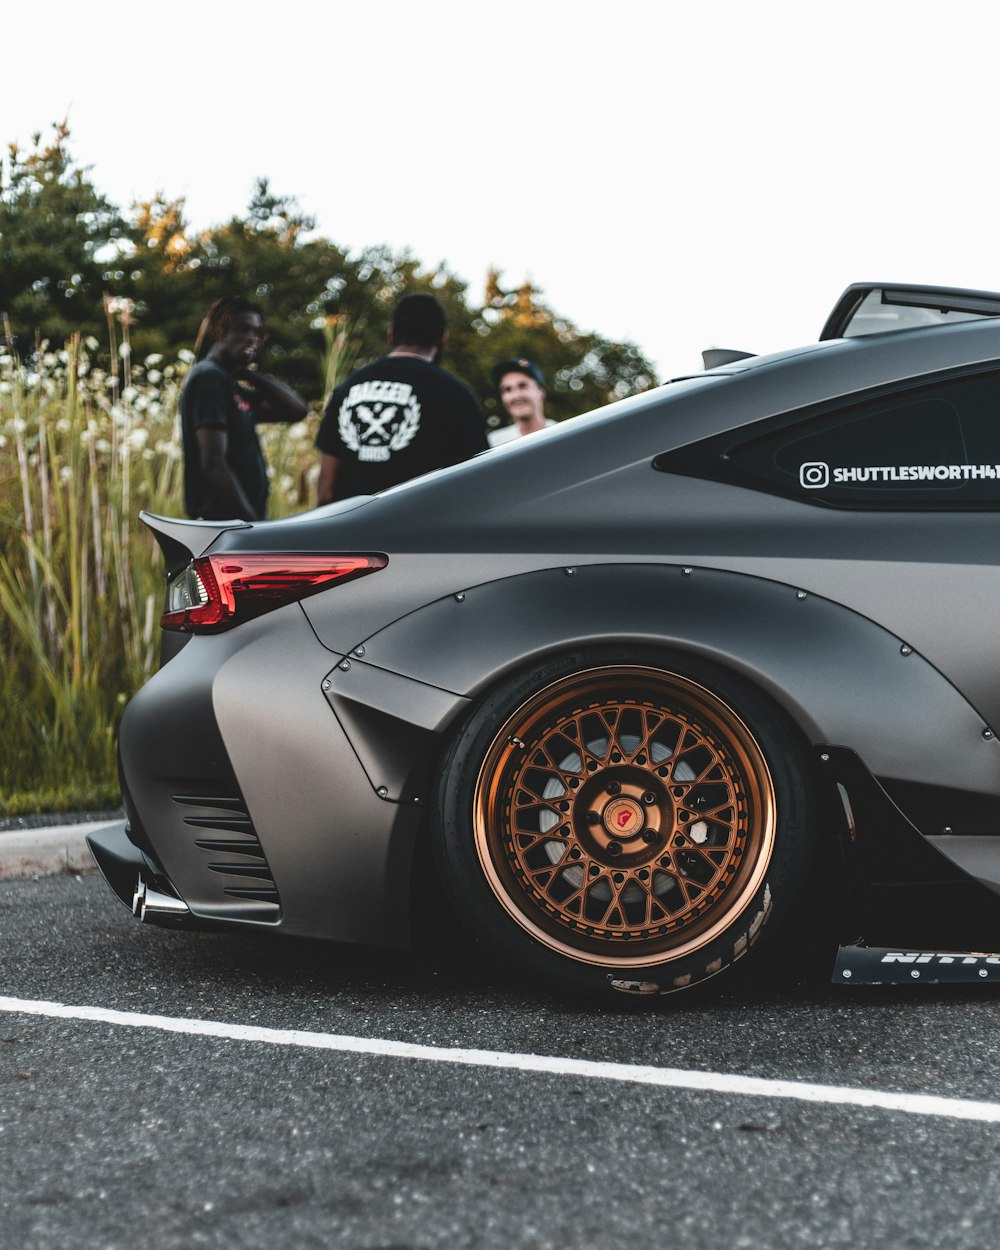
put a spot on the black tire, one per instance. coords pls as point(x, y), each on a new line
point(623, 820)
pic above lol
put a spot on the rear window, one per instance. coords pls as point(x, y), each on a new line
point(934, 447)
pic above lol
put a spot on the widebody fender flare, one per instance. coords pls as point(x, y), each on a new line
point(839, 677)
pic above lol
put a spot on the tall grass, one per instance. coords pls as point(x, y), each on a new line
point(82, 450)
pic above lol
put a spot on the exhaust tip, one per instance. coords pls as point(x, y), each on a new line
point(152, 906)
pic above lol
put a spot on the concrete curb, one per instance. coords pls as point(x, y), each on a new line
point(47, 852)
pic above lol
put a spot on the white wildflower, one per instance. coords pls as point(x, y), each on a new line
point(186, 355)
point(154, 376)
point(152, 359)
point(124, 351)
point(65, 474)
point(138, 438)
point(91, 343)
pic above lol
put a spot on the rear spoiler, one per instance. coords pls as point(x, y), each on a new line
point(182, 541)
point(941, 299)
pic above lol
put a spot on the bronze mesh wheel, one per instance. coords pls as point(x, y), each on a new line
point(609, 819)
point(624, 813)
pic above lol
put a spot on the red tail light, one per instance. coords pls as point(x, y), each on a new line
point(219, 591)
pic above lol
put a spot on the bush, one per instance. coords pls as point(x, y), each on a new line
point(81, 452)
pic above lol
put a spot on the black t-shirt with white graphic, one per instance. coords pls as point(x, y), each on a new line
point(213, 399)
point(395, 419)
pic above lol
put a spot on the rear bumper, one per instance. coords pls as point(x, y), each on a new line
point(248, 799)
point(137, 880)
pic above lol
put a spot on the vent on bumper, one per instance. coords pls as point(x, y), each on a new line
point(231, 840)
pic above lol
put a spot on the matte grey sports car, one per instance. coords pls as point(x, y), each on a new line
point(641, 688)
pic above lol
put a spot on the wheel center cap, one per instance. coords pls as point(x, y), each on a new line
point(623, 818)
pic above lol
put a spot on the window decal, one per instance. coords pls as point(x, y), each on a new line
point(815, 475)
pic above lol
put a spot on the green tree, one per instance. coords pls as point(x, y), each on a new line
point(269, 255)
point(58, 235)
point(70, 261)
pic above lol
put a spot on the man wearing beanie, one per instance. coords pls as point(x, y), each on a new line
point(521, 385)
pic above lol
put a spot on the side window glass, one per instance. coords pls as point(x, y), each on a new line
point(938, 447)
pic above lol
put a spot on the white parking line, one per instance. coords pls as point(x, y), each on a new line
point(672, 1078)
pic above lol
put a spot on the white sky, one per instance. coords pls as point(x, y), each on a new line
point(681, 175)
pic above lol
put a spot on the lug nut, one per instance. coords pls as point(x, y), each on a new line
point(593, 818)
point(649, 798)
point(614, 848)
point(650, 836)
point(613, 787)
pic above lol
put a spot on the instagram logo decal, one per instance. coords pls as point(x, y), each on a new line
point(814, 475)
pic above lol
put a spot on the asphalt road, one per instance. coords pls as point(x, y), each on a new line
point(115, 1136)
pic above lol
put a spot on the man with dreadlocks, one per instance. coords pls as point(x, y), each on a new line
point(222, 402)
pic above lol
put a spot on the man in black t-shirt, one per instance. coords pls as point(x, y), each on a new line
point(223, 400)
point(400, 416)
